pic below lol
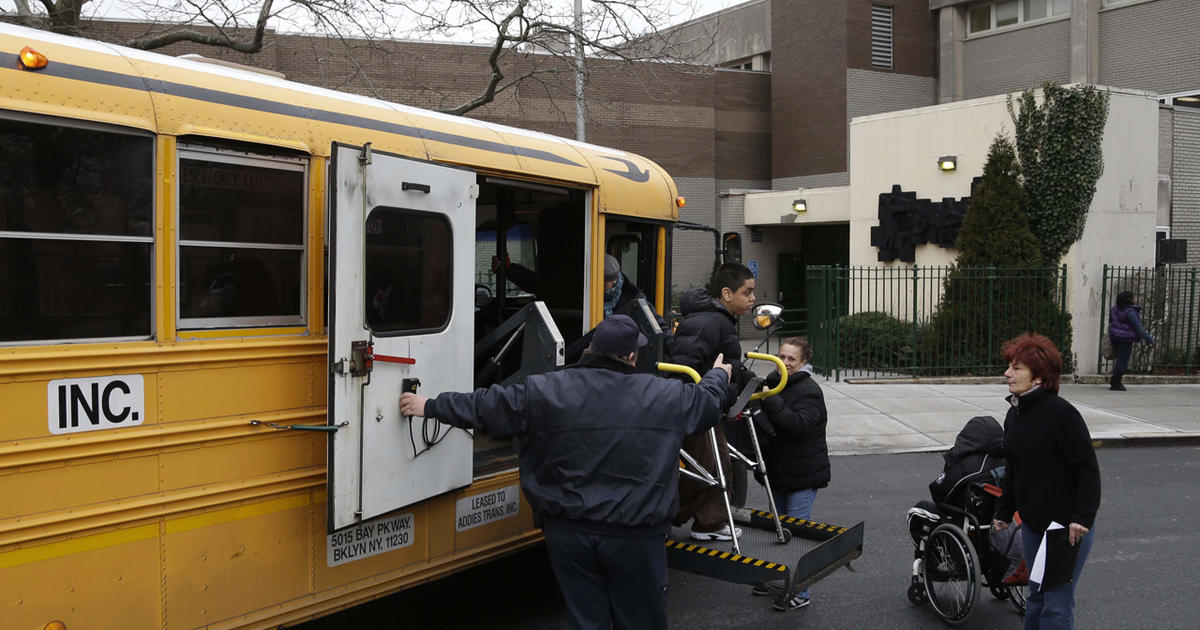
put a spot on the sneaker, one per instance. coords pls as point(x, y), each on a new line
point(796, 601)
point(720, 534)
point(760, 589)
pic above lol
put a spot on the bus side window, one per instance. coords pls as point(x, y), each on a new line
point(76, 231)
point(241, 238)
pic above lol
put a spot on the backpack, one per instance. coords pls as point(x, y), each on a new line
point(1007, 561)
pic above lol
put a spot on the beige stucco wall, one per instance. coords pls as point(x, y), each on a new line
point(825, 205)
point(903, 148)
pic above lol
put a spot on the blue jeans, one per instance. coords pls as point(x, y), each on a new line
point(1053, 609)
point(798, 504)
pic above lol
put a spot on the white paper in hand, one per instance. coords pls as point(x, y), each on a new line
point(1039, 561)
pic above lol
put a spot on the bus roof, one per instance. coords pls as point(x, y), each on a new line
point(99, 82)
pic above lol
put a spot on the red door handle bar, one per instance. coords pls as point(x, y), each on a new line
point(387, 358)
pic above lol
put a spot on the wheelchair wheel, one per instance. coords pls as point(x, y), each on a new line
point(951, 573)
point(1017, 597)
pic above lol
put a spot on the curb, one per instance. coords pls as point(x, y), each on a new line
point(1075, 379)
point(1130, 441)
point(1164, 439)
point(1137, 379)
point(931, 380)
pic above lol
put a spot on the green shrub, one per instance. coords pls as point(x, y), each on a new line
point(875, 341)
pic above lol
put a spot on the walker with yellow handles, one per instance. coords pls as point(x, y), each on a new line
point(757, 464)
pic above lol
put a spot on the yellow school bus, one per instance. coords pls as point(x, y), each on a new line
point(214, 283)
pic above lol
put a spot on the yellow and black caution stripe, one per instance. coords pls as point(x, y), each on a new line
point(723, 565)
point(803, 528)
point(726, 555)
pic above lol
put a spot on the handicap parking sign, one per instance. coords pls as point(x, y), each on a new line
point(753, 266)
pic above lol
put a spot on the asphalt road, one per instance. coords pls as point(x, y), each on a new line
point(1143, 571)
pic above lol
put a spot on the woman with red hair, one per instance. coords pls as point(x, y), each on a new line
point(1051, 473)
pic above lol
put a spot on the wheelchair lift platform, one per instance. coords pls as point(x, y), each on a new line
point(813, 551)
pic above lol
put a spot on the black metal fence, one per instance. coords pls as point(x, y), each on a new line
point(933, 320)
point(1170, 313)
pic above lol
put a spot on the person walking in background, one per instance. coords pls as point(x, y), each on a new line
point(1124, 330)
point(797, 456)
point(599, 459)
point(1051, 475)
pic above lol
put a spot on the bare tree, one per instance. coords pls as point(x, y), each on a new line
point(528, 40)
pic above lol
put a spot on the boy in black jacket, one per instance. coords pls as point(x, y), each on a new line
point(709, 329)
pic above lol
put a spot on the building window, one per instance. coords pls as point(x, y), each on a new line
point(241, 239)
point(76, 231)
point(409, 270)
point(990, 15)
point(881, 36)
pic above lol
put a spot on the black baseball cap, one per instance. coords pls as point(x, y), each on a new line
point(618, 335)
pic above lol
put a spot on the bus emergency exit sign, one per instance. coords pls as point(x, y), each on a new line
point(74, 405)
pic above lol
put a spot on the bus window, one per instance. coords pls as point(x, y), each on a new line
point(408, 270)
point(76, 231)
point(241, 239)
point(635, 245)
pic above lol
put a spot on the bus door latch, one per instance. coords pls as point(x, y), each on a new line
point(363, 358)
point(360, 362)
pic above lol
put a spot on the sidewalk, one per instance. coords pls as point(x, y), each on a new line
point(898, 418)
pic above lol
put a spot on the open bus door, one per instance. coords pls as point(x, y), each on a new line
point(401, 264)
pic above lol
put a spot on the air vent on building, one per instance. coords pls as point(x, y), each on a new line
point(881, 36)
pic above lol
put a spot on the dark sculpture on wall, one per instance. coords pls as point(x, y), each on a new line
point(905, 222)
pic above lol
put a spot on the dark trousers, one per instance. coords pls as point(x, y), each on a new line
point(1121, 362)
point(610, 581)
point(705, 503)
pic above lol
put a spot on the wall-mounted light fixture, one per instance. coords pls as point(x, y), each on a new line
point(799, 205)
point(948, 162)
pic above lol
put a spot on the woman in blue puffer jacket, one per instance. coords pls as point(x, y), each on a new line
point(1124, 330)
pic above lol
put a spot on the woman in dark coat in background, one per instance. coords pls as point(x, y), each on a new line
point(797, 456)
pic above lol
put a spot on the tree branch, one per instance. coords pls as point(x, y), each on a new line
point(221, 40)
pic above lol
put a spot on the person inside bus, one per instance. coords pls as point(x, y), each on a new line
point(709, 329)
point(598, 461)
point(619, 295)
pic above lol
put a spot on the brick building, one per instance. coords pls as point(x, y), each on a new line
point(768, 106)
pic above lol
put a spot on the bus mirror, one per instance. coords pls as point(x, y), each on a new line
point(733, 247)
point(767, 315)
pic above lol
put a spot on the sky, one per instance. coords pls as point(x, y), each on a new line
point(120, 8)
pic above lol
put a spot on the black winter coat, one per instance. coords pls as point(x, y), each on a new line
point(797, 457)
point(706, 330)
point(1051, 472)
point(599, 444)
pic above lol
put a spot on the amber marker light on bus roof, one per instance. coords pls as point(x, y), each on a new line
point(680, 201)
point(31, 59)
point(55, 625)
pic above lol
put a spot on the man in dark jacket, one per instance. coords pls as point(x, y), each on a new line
point(709, 329)
point(598, 458)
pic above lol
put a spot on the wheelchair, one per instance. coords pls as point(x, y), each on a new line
point(953, 552)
